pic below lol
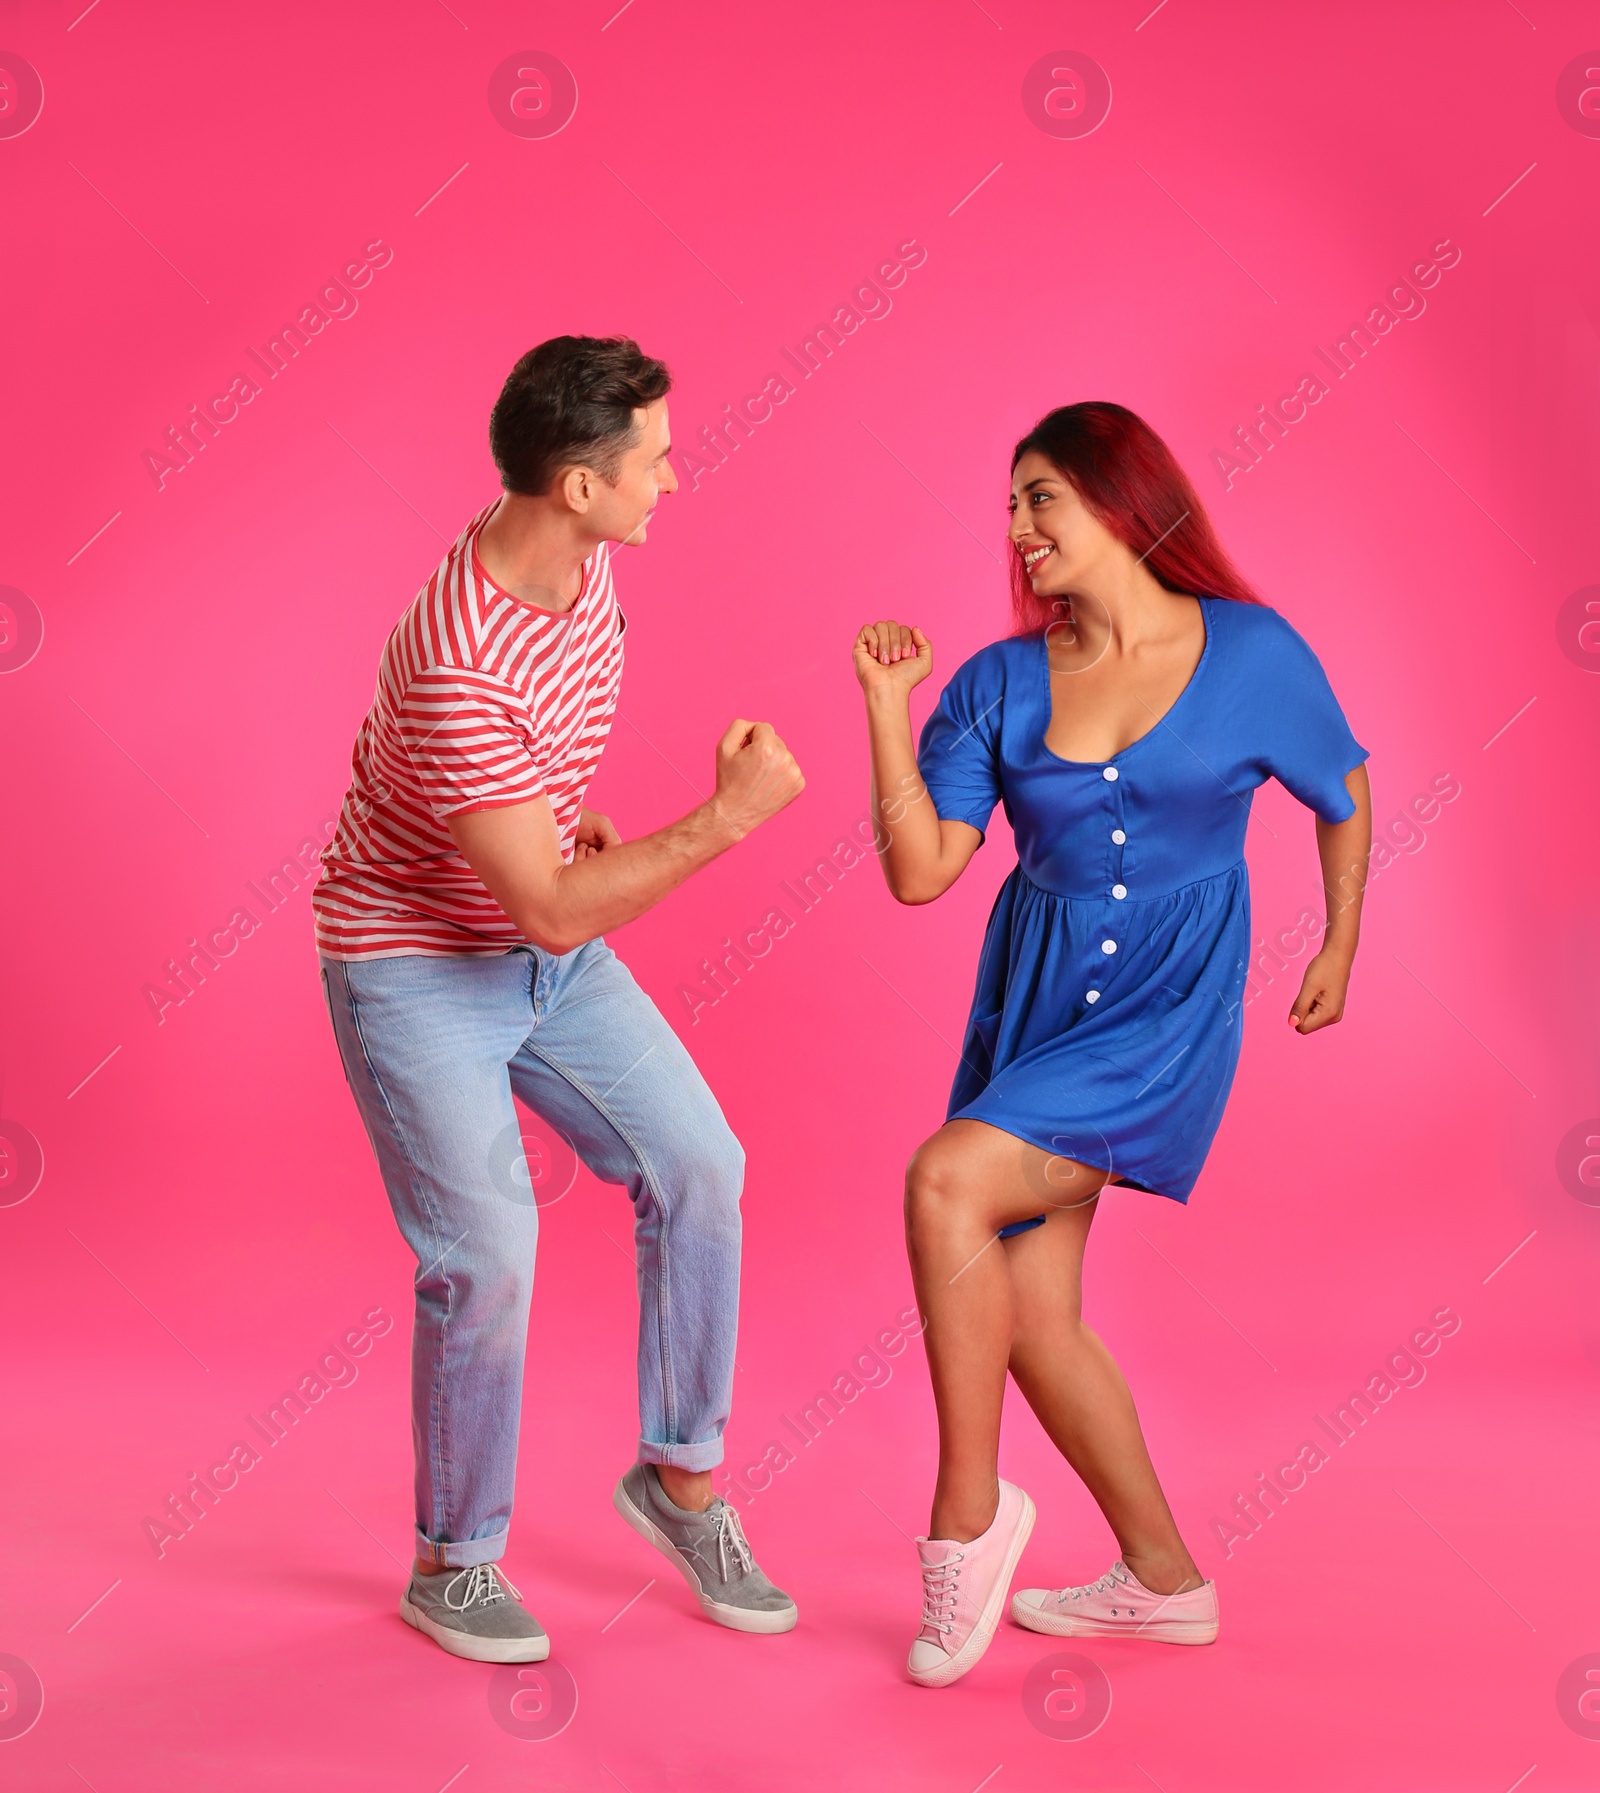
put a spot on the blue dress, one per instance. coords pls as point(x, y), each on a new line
point(1109, 1006)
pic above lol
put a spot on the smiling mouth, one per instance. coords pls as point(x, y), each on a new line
point(1034, 556)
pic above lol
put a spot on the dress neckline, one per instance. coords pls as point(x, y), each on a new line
point(1171, 710)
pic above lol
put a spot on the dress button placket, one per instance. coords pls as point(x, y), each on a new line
point(1119, 890)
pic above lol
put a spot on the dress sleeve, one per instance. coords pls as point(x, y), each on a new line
point(1309, 746)
point(959, 754)
point(466, 743)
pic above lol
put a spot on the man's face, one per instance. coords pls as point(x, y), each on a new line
point(622, 509)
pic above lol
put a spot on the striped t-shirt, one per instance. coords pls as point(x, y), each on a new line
point(481, 701)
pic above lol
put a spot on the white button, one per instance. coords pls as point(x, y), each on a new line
point(1110, 774)
point(1108, 946)
point(1119, 891)
point(1091, 996)
point(1118, 836)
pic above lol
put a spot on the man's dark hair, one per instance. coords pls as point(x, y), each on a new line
point(570, 402)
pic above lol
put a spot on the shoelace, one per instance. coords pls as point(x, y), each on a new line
point(730, 1537)
point(1114, 1577)
point(940, 1586)
point(483, 1586)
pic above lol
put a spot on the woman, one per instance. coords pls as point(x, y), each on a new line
point(1124, 727)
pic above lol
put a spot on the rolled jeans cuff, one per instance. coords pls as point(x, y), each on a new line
point(467, 1555)
point(693, 1457)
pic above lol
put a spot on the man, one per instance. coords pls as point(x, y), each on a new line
point(459, 920)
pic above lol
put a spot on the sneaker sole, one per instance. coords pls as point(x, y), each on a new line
point(989, 1619)
point(1158, 1631)
point(736, 1618)
point(475, 1649)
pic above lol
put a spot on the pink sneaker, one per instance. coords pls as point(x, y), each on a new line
point(1120, 1605)
point(964, 1587)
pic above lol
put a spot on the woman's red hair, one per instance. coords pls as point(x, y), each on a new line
point(1128, 478)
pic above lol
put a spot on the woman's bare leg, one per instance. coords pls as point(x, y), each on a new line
point(962, 1186)
point(1072, 1383)
point(992, 1304)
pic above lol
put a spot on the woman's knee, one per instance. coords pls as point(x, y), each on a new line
point(939, 1187)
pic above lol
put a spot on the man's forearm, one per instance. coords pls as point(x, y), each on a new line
point(516, 848)
point(604, 890)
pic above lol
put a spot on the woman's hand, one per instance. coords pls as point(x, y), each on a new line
point(892, 656)
point(1322, 993)
point(595, 834)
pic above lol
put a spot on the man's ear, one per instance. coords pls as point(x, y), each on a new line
point(577, 488)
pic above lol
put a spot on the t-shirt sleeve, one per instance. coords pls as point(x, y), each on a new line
point(959, 753)
point(1309, 746)
point(467, 740)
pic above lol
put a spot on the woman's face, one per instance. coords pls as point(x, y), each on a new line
point(1059, 538)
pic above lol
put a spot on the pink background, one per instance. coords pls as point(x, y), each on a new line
point(208, 1197)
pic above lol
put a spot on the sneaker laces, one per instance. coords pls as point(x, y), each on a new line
point(940, 1587)
point(1118, 1575)
point(483, 1588)
point(729, 1534)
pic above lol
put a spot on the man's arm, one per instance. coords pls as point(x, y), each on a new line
point(516, 849)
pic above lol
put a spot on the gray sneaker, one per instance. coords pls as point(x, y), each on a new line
point(710, 1551)
point(469, 1614)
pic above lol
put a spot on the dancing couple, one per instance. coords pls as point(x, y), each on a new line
point(1124, 723)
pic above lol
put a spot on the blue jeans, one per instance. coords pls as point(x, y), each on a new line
point(433, 1050)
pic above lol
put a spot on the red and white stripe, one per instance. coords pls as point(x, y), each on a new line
point(481, 701)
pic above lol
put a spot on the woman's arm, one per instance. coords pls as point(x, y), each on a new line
point(921, 854)
point(1343, 848)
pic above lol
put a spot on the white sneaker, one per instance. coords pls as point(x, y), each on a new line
point(1120, 1605)
point(964, 1591)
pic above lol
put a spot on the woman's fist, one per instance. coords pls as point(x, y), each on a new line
point(892, 656)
